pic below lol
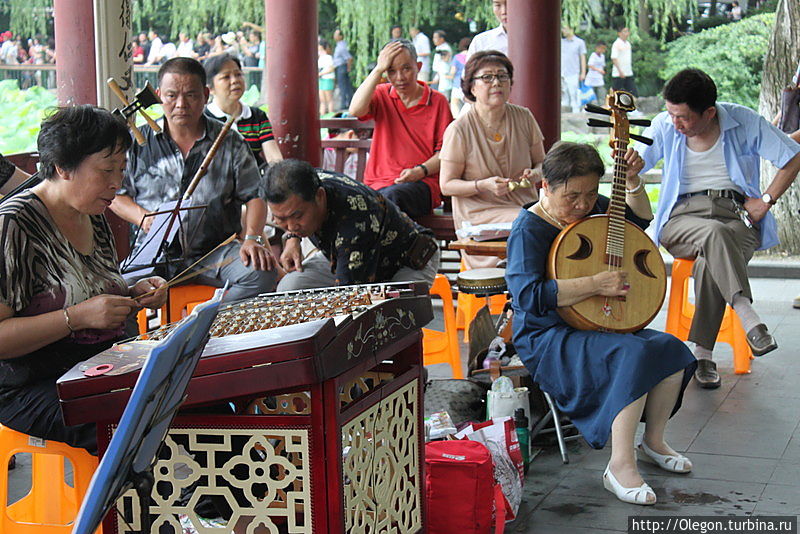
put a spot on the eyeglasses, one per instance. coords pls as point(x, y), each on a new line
point(503, 77)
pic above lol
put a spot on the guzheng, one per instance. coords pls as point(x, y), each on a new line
point(324, 382)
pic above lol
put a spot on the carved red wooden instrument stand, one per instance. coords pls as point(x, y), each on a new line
point(328, 432)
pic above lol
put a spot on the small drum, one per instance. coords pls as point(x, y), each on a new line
point(484, 282)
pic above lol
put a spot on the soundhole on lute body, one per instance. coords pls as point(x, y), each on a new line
point(584, 254)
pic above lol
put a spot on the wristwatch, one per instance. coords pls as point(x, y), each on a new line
point(257, 238)
point(767, 198)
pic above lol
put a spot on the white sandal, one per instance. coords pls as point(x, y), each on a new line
point(667, 462)
point(638, 495)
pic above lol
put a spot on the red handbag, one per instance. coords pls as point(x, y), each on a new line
point(461, 493)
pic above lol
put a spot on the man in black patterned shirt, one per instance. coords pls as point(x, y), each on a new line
point(362, 237)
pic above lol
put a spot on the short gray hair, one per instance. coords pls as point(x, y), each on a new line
point(408, 45)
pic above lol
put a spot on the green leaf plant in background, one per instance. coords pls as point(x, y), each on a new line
point(21, 113)
point(733, 55)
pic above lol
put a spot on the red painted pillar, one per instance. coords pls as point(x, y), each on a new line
point(534, 46)
point(291, 44)
point(75, 63)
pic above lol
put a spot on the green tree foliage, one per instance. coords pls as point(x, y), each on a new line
point(170, 17)
point(29, 17)
point(663, 15)
point(367, 24)
point(733, 55)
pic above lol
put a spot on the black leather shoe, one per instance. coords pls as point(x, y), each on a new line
point(706, 374)
point(760, 340)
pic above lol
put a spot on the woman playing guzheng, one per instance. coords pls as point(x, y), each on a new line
point(604, 382)
point(62, 298)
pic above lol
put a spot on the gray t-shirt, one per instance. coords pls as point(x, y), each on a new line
point(571, 52)
point(157, 173)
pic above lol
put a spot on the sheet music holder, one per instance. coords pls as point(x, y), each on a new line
point(155, 399)
point(156, 250)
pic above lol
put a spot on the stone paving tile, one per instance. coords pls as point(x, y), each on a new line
point(734, 441)
point(792, 451)
point(584, 512)
point(558, 529)
point(723, 467)
point(692, 496)
point(779, 499)
point(786, 473)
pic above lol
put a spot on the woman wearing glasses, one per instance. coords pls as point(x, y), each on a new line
point(491, 154)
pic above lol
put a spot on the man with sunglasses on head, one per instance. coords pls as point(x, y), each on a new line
point(410, 120)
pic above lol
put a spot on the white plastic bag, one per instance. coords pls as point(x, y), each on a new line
point(503, 399)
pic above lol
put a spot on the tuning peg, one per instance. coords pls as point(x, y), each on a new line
point(596, 123)
point(639, 122)
point(641, 139)
point(591, 108)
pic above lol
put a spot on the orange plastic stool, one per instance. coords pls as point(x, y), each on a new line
point(180, 298)
point(442, 347)
point(680, 312)
point(52, 505)
point(468, 305)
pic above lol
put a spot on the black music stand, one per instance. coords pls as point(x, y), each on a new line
point(156, 397)
point(157, 249)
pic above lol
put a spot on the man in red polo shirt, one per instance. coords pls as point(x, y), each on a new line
point(410, 120)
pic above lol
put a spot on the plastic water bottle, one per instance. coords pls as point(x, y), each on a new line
point(523, 436)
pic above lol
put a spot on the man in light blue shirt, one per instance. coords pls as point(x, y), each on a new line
point(711, 208)
point(573, 68)
point(342, 62)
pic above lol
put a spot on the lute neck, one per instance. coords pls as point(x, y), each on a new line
point(615, 240)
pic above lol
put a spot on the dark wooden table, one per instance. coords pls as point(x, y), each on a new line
point(480, 248)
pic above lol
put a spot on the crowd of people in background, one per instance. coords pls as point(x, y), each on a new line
point(442, 62)
point(150, 48)
point(38, 50)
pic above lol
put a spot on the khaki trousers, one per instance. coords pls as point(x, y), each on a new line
point(710, 231)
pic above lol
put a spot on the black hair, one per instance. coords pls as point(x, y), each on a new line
point(692, 87)
point(71, 134)
point(396, 26)
point(476, 62)
point(568, 160)
point(182, 65)
point(442, 34)
point(291, 177)
point(214, 64)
